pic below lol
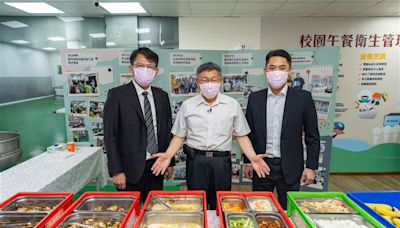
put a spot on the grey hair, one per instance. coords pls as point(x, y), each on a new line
point(209, 66)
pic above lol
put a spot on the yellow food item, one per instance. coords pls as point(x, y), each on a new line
point(158, 207)
point(386, 212)
point(35, 208)
point(115, 208)
point(112, 208)
point(176, 206)
point(392, 214)
point(185, 207)
point(396, 222)
point(233, 206)
point(379, 205)
point(387, 217)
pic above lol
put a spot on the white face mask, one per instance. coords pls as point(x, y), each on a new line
point(276, 79)
point(144, 76)
point(209, 90)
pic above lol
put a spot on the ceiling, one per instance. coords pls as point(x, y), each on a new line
point(225, 8)
point(98, 20)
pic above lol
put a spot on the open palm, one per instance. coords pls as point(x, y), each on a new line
point(160, 166)
point(259, 165)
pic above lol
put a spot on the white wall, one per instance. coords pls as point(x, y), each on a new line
point(58, 82)
point(24, 73)
point(219, 33)
point(18, 61)
point(285, 32)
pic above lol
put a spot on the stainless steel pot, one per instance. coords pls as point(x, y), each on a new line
point(10, 159)
point(9, 141)
point(10, 152)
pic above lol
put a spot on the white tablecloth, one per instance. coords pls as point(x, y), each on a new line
point(55, 172)
point(213, 220)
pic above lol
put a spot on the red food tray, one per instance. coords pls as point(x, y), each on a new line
point(219, 211)
point(135, 208)
point(54, 214)
point(174, 193)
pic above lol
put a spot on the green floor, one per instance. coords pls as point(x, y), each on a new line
point(39, 127)
point(36, 123)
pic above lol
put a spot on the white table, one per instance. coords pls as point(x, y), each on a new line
point(60, 111)
point(56, 172)
point(213, 219)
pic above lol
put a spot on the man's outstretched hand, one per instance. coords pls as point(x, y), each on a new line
point(160, 166)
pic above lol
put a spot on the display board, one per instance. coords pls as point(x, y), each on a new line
point(90, 73)
point(366, 135)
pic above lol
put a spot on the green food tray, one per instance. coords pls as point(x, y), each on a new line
point(302, 220)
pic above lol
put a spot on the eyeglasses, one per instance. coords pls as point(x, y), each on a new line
point(205, 80)
point(140, 65)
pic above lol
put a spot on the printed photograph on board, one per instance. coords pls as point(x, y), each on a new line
point(234, 83)
point(96, 109)
point(76, 122)
point(78, 108)
point(183, 83)
point(80, 136)
point(83, 83)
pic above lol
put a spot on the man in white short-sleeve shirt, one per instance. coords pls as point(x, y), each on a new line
point(206, 124)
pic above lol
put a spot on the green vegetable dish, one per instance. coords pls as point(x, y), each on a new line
point(241, 223)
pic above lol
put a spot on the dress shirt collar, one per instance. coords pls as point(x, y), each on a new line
point(221, 99)
point(283, 92)
point(140, 90)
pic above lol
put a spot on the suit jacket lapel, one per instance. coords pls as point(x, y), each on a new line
point(133, 97)
point(289, 104)
point(158, 105)
point(263, 112)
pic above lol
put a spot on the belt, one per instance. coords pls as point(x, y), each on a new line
point(207, 153)
point(150, 160)
point(275, 161)
point(275, 158)
point(213, 153)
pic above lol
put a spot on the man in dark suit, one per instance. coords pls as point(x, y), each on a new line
point(278, 116)
point(137, 124)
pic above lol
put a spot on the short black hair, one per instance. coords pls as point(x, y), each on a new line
point(148, 54)
point(281, 53)
point(209, 66)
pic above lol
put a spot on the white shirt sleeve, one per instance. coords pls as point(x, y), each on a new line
point(240, 125)
point(180, 126)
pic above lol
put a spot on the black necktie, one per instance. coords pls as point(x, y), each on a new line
point(152, 146)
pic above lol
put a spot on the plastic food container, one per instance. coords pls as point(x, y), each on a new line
point(302, 218)
point(386, 197)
